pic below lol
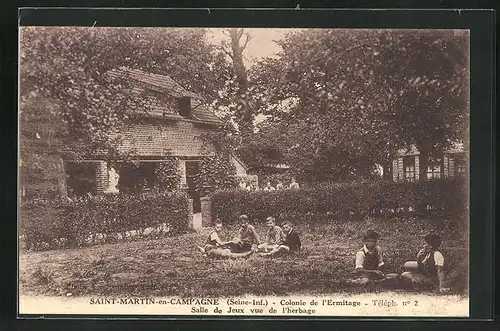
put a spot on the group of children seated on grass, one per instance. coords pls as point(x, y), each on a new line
point(428, 269)
point(248, 242)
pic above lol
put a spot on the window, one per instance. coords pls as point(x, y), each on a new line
point(137, 177)
point(184, 105)
point(434, 169)
point(409, 168)
point(460, 167)
point(192, 168)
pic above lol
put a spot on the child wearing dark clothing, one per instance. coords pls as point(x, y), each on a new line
point(369, 261)
point(247, 237)
point(216, 248)
point(291, 243)
point(428, 269)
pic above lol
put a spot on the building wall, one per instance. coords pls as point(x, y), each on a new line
point(447, 170)
point(101, 176)
point(240, 170)
point(181, 137)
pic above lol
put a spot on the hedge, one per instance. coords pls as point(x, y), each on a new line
point(433, 199)
point(51, 224)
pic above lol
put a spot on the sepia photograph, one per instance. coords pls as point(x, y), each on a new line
point(243, 171)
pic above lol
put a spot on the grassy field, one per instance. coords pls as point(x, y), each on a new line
point(173, 266)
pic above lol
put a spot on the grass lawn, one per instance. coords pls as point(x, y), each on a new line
point(173, 266)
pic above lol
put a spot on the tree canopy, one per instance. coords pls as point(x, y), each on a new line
point(335, 101)
point(356, 96)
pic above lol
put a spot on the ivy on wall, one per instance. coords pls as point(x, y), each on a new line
point(168, 174)
point(216, 173)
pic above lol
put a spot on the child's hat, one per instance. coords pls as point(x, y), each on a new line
point(433, 239)
point(370, 234)
point(243, 217)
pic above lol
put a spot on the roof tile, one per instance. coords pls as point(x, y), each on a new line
point(162, 82)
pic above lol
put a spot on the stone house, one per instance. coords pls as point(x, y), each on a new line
point(173, 128)
point(454, 162)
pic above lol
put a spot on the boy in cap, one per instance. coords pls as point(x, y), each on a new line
point(216, 248)
point(274, 235)
point(369, 260)
point(429, 267)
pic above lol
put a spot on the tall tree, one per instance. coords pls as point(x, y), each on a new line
point(243, 111)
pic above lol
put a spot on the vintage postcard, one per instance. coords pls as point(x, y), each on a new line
point(254, 172)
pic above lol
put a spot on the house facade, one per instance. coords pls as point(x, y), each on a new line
point(174, 127)
point(453, 163)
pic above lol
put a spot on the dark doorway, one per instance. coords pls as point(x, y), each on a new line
point(192, 169)
point(81, 178)
point(137, 177)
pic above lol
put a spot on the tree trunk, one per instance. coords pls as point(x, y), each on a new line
point(424, 152)
point(61, 179)
point(387, 169)
point(244, 114)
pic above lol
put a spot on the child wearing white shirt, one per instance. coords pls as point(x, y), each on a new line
point(429, 267)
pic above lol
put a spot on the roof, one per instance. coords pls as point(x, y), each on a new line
point(408, 151)
point(455, 148)
point(269, 166)
point(203, 113)
point(163, 83)
point(160, 82)
point(237, 159)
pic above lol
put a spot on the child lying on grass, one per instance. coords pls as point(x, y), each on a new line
point(216, 248)
point(222, 253)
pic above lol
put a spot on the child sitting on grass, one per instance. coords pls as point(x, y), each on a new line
point(369, 261)
point(247, 237)
point(291, 243)
point(274, 236)
point(428, 269)
point(216, 248)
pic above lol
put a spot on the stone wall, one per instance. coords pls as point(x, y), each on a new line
point(101, 172)
point(206, 212)
point(190, 214)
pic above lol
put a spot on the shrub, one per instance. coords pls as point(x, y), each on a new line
point(68, 224)
point(433, 199)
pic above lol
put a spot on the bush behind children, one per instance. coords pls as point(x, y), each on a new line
point(428, 269)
